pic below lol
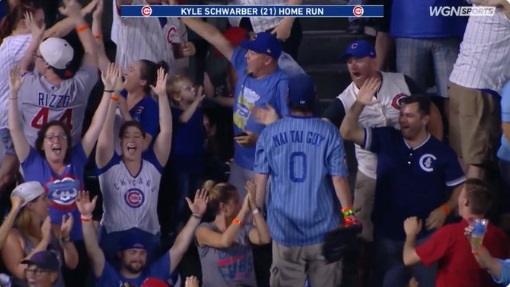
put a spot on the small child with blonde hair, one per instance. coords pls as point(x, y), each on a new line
point(188, 148)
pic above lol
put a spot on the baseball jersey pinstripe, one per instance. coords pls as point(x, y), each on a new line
point(260, 24)
point(130, 201)
point(12, 50)
point(300, 154)
point(383, 114)
point(474, 68)
point(40, 102)
point(143, 38)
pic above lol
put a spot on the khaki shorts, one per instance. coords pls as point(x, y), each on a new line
point(475, 125)
point(292, 265)
point(364, 196)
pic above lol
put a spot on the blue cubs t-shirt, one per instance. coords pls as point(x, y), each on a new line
point(249, 93)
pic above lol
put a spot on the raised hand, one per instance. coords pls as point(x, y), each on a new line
point(188, 49)
point(110, 76)
point(16, 202)
point(251, 189)
point(200, 95)
point(199, 205)
point(160, 88)
point(37, 32)
point(412, 226)
point(15, 80)
point(67, 225)
point(71, 8)
point(368, 90)
point(92, 6)
point(84, 204)
point(265, 115)
point(191, 281)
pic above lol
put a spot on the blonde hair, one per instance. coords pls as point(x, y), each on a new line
point(174, 87)
point(218, 193)
point(23, 221)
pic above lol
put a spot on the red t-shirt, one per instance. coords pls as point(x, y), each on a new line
point(457, 266)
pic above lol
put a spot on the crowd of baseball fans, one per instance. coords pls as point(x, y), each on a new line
point(195, 152)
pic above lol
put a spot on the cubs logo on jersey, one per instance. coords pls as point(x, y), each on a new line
point(397, 101)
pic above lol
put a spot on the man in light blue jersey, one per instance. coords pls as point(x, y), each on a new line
point(303, 158)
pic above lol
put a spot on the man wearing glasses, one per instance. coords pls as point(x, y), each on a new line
point(42, 269)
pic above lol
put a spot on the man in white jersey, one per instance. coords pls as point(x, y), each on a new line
point(53, 91)
point(361, 62)
point(151, 39)
point(481, 69)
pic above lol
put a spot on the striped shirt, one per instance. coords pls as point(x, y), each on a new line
point(300, 154)
point(12, 50)
point(484, 61)
point(40, 102)
point(260, 24)
point(143, 38)
point(130, 201)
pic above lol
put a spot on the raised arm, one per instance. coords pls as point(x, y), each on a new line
point(71, 9)
point(260, 233)
point(350, 128)
point(94, 252)
point(188, 113)
point(211, 34)
point(105, 143)
point(97, 31)
point(19, 140)
point(27, 61)
point(207, 237)
point(435, 125)
point(283, 30)
point(163, 142)
point(65, 26)
point(98, 121)
point(185, 237)
point(16, 203)
point(70, 252)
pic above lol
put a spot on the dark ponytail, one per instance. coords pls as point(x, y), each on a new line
point(17, 14)
point(149, 72)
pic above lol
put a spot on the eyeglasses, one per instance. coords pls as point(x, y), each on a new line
point(35, 272)
point(54, 137)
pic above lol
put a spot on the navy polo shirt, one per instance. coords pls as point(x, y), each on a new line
point(410, 182)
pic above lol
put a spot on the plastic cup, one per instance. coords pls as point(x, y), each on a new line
point(479, 226)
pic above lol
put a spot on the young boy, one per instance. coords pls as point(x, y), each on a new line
point(449, 247)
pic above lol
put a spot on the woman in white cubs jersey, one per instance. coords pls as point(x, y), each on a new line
point(130, 181)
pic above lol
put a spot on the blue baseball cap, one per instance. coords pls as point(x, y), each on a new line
point(359, 49)
point(45, 260)
point(301, 90)
point(132, 241)
point(264, 43)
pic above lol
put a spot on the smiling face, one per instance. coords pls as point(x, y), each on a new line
point(133, 77)
point(55, 144)
point(132, 141)
point(411, 121)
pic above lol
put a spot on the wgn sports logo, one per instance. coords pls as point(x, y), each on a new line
point(450, 11)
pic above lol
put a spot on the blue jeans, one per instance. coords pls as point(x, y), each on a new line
point(109, 243)
point(390, 271)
